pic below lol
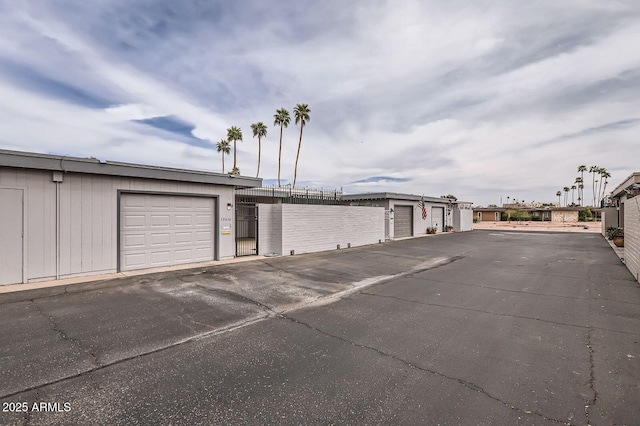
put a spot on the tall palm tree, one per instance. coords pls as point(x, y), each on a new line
point(566, 190)
point(593, 170)
point(573, 192)
point(604, 175)
point(604, 189)
point(559, 194)
point(581, 169)
point(259, 130)
point(579, 182)
point(234, 134)
point(281, 118)
point(301, 111)
point(224, 148)
point(581, 188)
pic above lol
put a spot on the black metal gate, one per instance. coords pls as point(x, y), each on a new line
point(246, 229)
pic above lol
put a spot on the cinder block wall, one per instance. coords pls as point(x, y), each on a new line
point(312, 228)
point(564, 216)
point(632, 235)
point(269, 228)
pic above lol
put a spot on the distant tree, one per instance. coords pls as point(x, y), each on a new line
point(259, 130)
point(281, 118)
point(301, 111)
point(234, 134)
point(604, 189)
point(581, 169)
point(579, 182)
point(604, 175)
point(573, 192)
point(559, 194)
point(566, 190)
point(450, 196)
point(593, 170)
point(580, 200)
point(224, 148)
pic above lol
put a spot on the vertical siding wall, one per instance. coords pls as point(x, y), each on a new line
point(309, 228)
point(632, 235)
point(71, 230)
point(462, 220)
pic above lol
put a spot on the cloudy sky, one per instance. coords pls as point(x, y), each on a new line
point(481, 99)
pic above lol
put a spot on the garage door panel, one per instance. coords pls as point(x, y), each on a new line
point(203, 253)
point(134, 221)
point(202, 236)
point(158, 230)
point(184, 255)
point(182, 237)
point(134, 240)
point(159, 258)
point(183, 220)
point(133, 261)
point(160, 239)
point(133, 202)
point(159, 203)
point(157, 221)
point(204, 220)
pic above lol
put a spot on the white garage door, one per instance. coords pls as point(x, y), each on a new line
point(437, 218)
point(403, 221)
point(160, 230)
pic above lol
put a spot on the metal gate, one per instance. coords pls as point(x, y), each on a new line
point(246, 230)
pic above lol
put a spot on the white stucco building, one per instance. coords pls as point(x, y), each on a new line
point(63, 217)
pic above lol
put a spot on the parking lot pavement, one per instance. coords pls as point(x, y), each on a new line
point(484, 327)
point(61, 332)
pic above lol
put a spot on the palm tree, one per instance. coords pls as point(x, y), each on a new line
point(234, 134)
point(604, 174)
point(581, 190)
point(573, 191)
point(594, 170)
point(259, 130)
point(566, 190)
point(604, 189)
point(301, 112)
point(224, 148)
point(282, 119)
point(559, 194)
point(579, 182)
point(581, 169)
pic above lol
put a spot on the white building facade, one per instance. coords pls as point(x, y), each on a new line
point(63, 217)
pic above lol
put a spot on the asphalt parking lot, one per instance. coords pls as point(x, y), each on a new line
point(484, 327)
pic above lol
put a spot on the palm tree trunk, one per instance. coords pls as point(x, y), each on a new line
point(295, 171)
point(223, 162)
point(259, 153)
point(279, 156)
point(599, 190)
point(234, 154)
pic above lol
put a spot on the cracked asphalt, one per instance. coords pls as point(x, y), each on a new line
point(476, 328)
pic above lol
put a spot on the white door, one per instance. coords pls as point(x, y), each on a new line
point(437, 218)
point(11, 240)
point(403, 221)
point(161, 230)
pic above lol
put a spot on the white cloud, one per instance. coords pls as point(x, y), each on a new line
point(481, 99)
